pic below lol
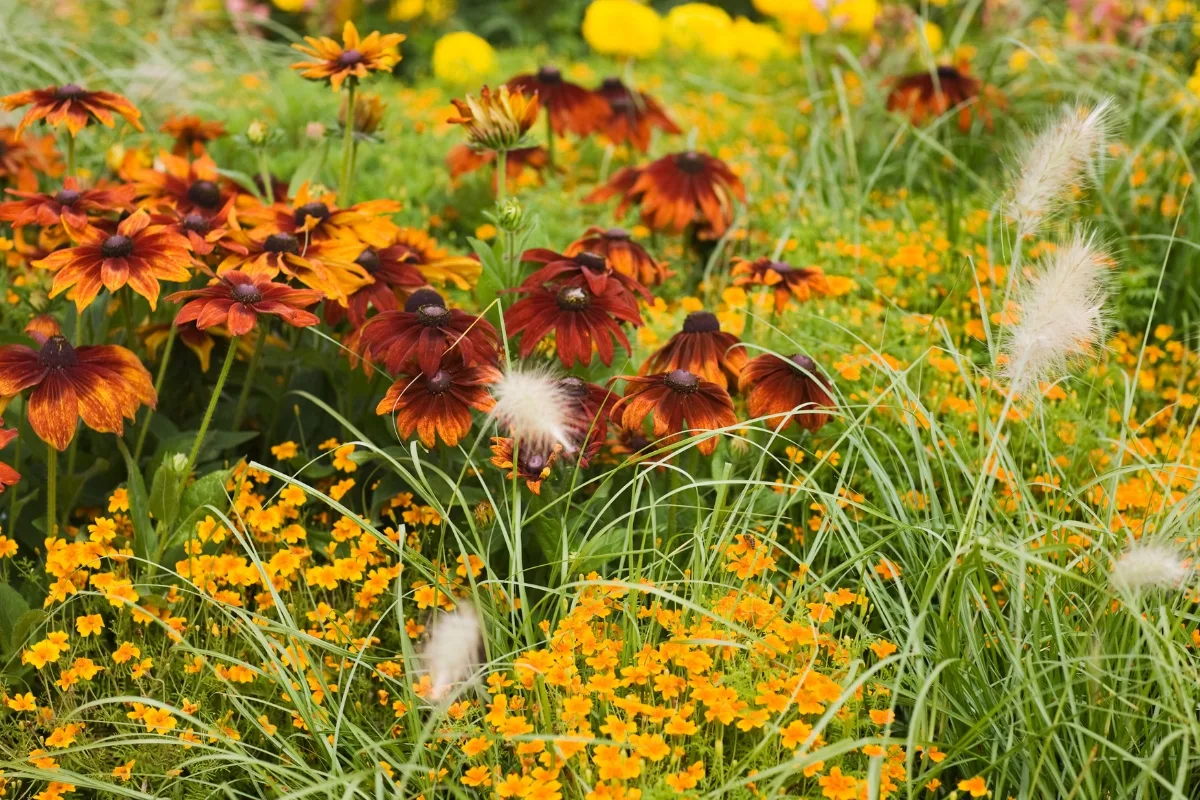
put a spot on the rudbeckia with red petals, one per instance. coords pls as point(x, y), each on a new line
point(138, 254)
point(102, 384)
point(317, 218)
point(677, 191)
point(582, 269)
point(327, 266)
point(787, 390)
point(590, 405)
point(235, 300)
point(8, 475)
point(632, 115)
point(923, 96)
point(624, 255)
point(676, 401)
point(580, 320)
point(786, 281)
point(189, 186)
point(532, 466)
point(570, 106)
point(24, 157)
point(73, 105)
point(392, 270)
point(191, 133)
point(69, 205)
point(207, 232)
point(701, 348)
point(424, 332)
point(352, 60)
point(439, 405)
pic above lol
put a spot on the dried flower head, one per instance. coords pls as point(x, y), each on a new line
point(533, 407)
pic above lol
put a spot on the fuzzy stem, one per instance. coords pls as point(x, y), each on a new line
point(158, 383)
point(347, 146)
point(208, 414)
point(501, 175)
point(70, 156)
point(244, 397)
point(51, 490)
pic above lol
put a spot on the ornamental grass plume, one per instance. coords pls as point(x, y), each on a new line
point(1150, 565)
point(1055, 160)
point(534, 407)
point(453, 651)
point(1062, 313)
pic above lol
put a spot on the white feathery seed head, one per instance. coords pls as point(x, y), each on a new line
point(453, 650)
point(1062, 313)
point(1056, 159)
point(1150, 565)
point(534, 408)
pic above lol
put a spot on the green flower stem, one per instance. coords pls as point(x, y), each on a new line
point(264, 174)
point(208, 414)
point(348, 146)
point(51, 490)
point(244, 397)
point(70, 156)
point(501, 175)
point(158, 383)
point(549, 144)
point(14, 489)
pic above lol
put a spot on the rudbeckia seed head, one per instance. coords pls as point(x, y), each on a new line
point(117, 246)
point(282, 243)
point(205, 194)
point(682, 381)
point(421, 298)
point(701, 322)
point(573, 298)
point(57, 353)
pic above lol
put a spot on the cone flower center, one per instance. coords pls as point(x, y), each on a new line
point(573, 298)
point(439, 383)
point(617, 233)
point(195, 223)
point(701, 322)
point(70, 91)
point(205, 194)
point(117, 246)
point(432, 315)
point(550, 75)
point(318, 210)
point(67, 197)
point(57, 353)
point(246, 293)
point(592, 261)
point(682, 381)
point(690, 162)
point(349, 58)
point(369, 260)
point(282, 243)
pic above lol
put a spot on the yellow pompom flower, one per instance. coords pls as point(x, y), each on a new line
point(622, 28)
point(855, 16)
point(700, 27)
point(931, 34)
point(798, 16)
point(463, 58)
point(757, 42)
point(290, 6)
point(405, 10)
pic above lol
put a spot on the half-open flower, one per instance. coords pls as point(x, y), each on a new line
point(787, 390)
point(102, 384)
point(73, 105)
point(570, 106)
point(677, 401)
point(496, 120)
point(235, 300)
point(424, 332)
point(701, 348)
point(138, 254)
point(69, 206)
point(633, 115)
point(438, 405)
point(786, 281)
point(579, 319)
point(624, 254)
point(352, 60)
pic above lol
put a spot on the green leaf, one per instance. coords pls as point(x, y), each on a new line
point(145, 540)
point(308, 169)
point(206, 491)
point(215, 443)
point(491, 280)
point(164, 489)
point(21, 628)
point(12, 607)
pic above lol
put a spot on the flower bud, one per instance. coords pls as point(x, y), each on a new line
point(510, 216)
point(256, 133)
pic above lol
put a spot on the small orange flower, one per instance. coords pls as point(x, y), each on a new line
point(786, 281)
point(73, 105)
point(191, 133)
point(235, 300)
point(533, 466)
point(352, 60)
point(8, 475)
point(976, 786)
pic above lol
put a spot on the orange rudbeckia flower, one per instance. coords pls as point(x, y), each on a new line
point(102, 384)
point(351, 60)
point(786, 281)
point(138, 254)
point(191, 133)
point(702, 348)
point(69, 205)
point(786, 391)
point(73, 105)
point(570, 106)
point(235, 300)
point(677, 401)
point(439, 405)
point(8, 475)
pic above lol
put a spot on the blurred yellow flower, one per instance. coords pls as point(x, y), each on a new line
point(290, 6)
point(855, 16)
point(931, 34)
point(622, 28)
point(757, 42)
point(700, 27)
point(405, 10)
point(462, 58)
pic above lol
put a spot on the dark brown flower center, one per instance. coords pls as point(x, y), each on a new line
point(690, 162)
point(535, 464)
point(573, 298)
point(117, 246)
point(282, 243)
point(433, 315)
point(782, 267)
point(611, 84)
point(619, 234)
point(804, 363)
point(70, 91)
point(682, 381)
point(573, 386)
point(438, 383)
point(549, 75)
point(948, 73)
point(593, 261)
point(196, 223)
point(349, 58)
point(421, 298)
point(318, 210)
point(369, 260)
point(205, 194)
point(57, 353)
point(246, 293)
point(701, 322)
point(67, 197)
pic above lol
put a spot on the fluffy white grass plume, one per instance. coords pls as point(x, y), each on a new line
point(1149, 565)
point(534, 408)
point(453, 651)
point(1056, 159)
point(1062, 313)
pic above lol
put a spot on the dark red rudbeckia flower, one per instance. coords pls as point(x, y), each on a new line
point(73, 105)
point(570, 106)
point(235, 300)
point(677, 191)
point(786, 281)
point(138, 254)
point(923, 96)
point(393, 270)
point(624, 255)
point(677, 401)
point(787, 390)
point(632, 115)
point(103, 385)
point(701, 348)
point(463, 159)
point(439, 405)
point(578, 318)
point(191, 133)
point(582, 269)
point(68, 206)
point(532, 466)
point(424, 332)
point(207, 232)
point(23, 158)
point(8, 475)
point(590, 405)
point(189, 186)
